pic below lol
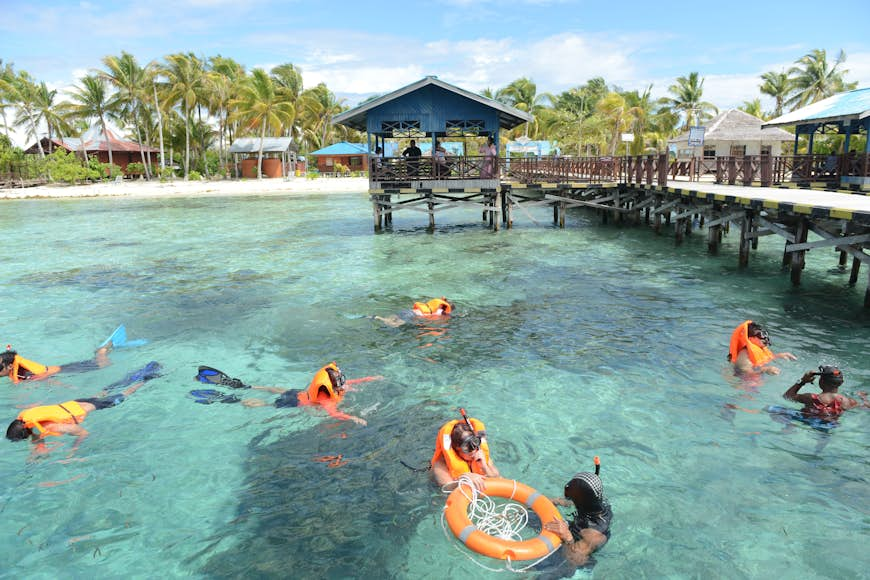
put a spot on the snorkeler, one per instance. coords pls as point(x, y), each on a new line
point(435, 308)
point(18, 368)
point(589, 529)
point(66, 418)
point(749, 350)
point(828, 403)
point(461, 448)
point(326, 389)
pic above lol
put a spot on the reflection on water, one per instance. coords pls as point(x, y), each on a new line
point(567, 343)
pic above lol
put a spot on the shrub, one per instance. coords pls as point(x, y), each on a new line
point(194, 176)
point(135, 168)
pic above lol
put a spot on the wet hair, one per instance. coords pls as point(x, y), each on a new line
point(17, 431)
point(462, 433)
point(830, 377)
point(756, 330)
point(586, 491)
point(6, 358)
point(337, 378)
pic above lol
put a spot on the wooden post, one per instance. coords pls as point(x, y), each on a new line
point(388, 212)
point(646, 215)
point(376, 208)
point(555, 212)
point(509, 209)
point(679, 231)
point(496, 205)
point(843, 258)
point(797, 258)
point(856, 266)
point(786, 255)
point(658, 223)
point(745, 228)
point(867, 292)
point(431, 206)
point(755, 239)
point(562, 209)
point(714, 236)
point(617, 215)
point(703, 216)
point(689, 225)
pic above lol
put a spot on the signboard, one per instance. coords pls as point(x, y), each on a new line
point(696, 136)
point(628, 137)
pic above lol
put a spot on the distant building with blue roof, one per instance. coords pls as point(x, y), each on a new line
point(353, 156)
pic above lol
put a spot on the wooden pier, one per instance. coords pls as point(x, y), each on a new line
point(840, 220)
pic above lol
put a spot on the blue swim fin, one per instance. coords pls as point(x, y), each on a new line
point(119, 339)
point(212, 376)
point(146, 373)
point(209, 396)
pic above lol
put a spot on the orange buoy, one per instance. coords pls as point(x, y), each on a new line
point(456, 514)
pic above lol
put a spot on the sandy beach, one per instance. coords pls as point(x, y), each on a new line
point(179, 188)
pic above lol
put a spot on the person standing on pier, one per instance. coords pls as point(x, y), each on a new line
point(413, 153)
point(749, 350)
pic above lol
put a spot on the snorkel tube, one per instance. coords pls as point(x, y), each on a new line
point(597, 461)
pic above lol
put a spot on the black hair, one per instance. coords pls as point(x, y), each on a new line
point(18, 431)
point(462, 432)
point(6, 358)
point(756, 330)
point(830, 376)
point(586, 491)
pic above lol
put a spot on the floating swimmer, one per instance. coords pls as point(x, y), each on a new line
point(461, 448)
point(589, 528)
point(19, 369)
point(829, 403)
point(749, 350)
point(435, 308)
point(65, 418)
point(326, 389)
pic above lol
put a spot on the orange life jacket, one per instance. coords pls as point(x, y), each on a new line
point(759, 354)
point(68, 412)
point(455, 464)
point(23, 369)
point(323, 381)
point(430, 308)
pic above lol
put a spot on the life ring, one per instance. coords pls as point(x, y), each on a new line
point(456, 514)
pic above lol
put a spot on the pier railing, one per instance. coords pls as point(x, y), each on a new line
point(765, 170)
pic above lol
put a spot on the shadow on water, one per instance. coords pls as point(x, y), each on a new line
point(329, 502)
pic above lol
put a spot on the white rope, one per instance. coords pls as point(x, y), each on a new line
point(505, 523)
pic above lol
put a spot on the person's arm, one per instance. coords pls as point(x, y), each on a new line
point(350, 382)
point(792, 393)
point(276, 390)
point(440, 472)
point(744, 366)
point(785, 355)
point(333, 411)
point(576, 551)
point(76, 431)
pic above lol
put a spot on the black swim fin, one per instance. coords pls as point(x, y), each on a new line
point(209, 396)
point(215, 377)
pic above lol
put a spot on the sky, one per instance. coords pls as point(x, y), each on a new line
point(373, 47)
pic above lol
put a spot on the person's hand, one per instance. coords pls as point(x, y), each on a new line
point(808, 377)
point(770, 370)
point(787, 356)
point(478, 480)
point(359, 421)
point(559, 527)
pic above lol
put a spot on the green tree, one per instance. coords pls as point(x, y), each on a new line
point(776, 85)
point(319, 105)
point(223, 80)
point(813, 79)
point(129, 80)
point(92, 100)
point(24, 94)
point(686, 99)
point(262, 107)
point(185, 79)
point(523, 94)
point(753, 107)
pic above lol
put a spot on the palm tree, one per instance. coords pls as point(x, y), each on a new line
point(814, 80)
point(686, 99)
point(7, 77)
point(614, 108)
point(25, 94)
point(50, 112)
point(778, 86)
point(223, 80)
point(288, 79)
point(640, 106)
point(523, 94)
point(185, 79)
point(261, 105)
point(753, 108)
point(91, 100)
point(125, 74)
point(319, 105)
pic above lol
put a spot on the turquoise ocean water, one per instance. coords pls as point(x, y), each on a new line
point(592, 340)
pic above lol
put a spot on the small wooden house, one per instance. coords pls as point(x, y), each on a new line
point(351, 156)
point(95, 143)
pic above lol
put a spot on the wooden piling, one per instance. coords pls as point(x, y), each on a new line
point(496, 219)
point(714, 236)
point(563, 207)
point(797, 258)
point(509, 210)
point(745, 228)
point(844, 257)
point(679, 231)
point(856, 266)
point(376, 209)
point(867, 292)
point(431, 206)
point(786, 255)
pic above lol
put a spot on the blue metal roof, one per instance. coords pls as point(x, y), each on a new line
point(850, 106)
point(343, 148)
